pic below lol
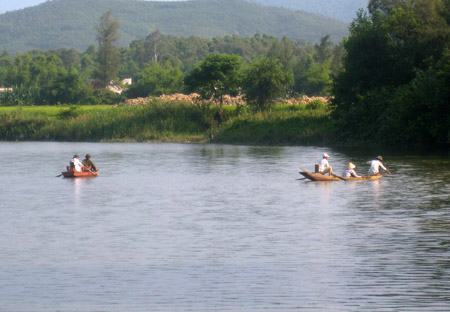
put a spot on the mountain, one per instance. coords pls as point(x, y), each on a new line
point(72, 23)
point(344, 10)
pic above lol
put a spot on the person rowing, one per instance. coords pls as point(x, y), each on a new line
point(88, 164)
point(375, 166)
point(350, 171)
point(324, 165)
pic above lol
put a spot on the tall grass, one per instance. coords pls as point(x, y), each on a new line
point(284, 124)
point(178, 122)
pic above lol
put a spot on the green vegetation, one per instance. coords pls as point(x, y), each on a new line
point(389, 83)
point(178, 122)
point(394, 89)
point(265, 80)
point(71, 24)
point(163, 64)
point(156, 79)
point(216, 76)
point(282, 125)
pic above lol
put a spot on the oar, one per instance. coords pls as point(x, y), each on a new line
point(339, 177)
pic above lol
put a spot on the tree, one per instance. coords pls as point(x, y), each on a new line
point(156, 79)
point(389, 74)
point(108, 55)
point(264, 80)
point(151, 45)
point(215, 76)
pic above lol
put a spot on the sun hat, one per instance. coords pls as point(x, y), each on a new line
point(380, 158)
point(325, 155)
point(351, 166)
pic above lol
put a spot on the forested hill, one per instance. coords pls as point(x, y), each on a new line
point(72, 23)
point(344, 10)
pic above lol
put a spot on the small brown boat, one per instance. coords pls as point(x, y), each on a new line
point(320, 177)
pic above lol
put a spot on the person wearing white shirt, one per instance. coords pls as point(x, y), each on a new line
point(76, 163)
point(375, 166)
point(324, 165)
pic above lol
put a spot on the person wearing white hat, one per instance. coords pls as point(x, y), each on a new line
point(324, 165)
point(350, 171)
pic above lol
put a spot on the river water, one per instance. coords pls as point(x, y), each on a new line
point(172, 227)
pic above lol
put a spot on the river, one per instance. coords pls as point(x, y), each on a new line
point(173, 227)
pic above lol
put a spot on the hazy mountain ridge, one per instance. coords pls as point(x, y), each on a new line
point(344, 10)
point(71, 24)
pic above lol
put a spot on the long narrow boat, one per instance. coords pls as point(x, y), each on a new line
point(320, 177)
point(364, 178)
point(83, 174)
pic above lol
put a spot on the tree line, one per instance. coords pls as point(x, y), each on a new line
point(162, 64)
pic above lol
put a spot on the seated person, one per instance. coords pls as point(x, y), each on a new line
point(324, 166)
point(88, 164)
point(350, 171)
point(75, 164)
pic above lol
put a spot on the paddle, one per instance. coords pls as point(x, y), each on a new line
point(339, 177)
point(59, 175)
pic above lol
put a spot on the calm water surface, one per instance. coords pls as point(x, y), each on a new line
point(170, 227)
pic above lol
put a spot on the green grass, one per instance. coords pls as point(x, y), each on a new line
point(175, 122)
point(284, 124)
point(51, 111)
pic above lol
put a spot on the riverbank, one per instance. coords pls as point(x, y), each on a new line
point(166, 122)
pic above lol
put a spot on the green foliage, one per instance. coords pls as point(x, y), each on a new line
point(180, 122)
point(395, 71)
point(66, 76)
point(71, 112)
point(156, 79)
point(264, 81)
point(71, 24)
point(313, 78)
point(282, 125)
point(215, 76)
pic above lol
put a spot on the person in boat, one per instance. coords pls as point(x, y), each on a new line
point(324, 165)
point(375, 166)
point(76, 164)
point(350, 171)
point(88, 164)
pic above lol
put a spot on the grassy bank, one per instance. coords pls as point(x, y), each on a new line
point(175, 122)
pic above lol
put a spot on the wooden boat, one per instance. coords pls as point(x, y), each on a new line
point(364, 178)
point(320, 177)
point(83, 174)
